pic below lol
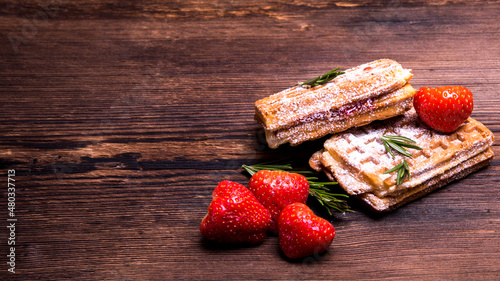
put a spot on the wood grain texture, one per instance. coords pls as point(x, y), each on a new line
point(120, 117)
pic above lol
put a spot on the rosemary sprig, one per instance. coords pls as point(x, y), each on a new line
point(257, 167)
point(327, 199)
point(403, 170)
point(322, 79)
point(317, 189)
point(399, 143)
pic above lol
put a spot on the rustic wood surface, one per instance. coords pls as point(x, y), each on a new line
point(120, 117)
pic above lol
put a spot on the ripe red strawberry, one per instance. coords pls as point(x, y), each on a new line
point(443, 108)
point(276, 189)
point(235, 216)
point(302, 233)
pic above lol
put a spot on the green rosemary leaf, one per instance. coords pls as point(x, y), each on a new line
point(399, 149)
point(387, 148)
point(397, 167)
point(302, 172)
point(255, 168)
point(406, 165)
point(322, 184)
point(402, 170)
point(317, 189)
point(322, 79)
point(251, 170)
point(409, 145)
point(399, 143)
point(407, 168)
point(401, 173)
point(400, 138)
point(331, 201)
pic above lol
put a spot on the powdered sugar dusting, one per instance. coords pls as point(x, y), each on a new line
point(386, 106)
point(366, 81)
point(365, 156)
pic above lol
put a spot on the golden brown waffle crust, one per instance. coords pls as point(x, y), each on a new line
point(387, 106)
point(299, 114)
point(386, 204)
point(357, 159)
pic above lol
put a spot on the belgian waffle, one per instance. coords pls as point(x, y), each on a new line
point(372, 91)
point(357, 159)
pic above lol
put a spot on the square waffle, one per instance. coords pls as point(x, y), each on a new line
point(357, 159)
point(372, 91)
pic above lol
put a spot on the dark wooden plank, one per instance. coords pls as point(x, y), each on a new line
point(120, 118)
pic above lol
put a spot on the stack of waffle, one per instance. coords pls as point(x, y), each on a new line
point(357, 157)
point(373, 91)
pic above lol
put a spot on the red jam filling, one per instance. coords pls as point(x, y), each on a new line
point(339, 113)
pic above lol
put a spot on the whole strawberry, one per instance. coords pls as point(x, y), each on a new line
point(235, 216)
point(443, 108)
point(277, 189)
point(302, 233)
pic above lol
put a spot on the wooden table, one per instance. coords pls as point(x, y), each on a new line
point(120, 117)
